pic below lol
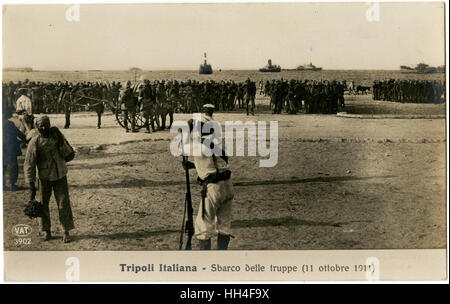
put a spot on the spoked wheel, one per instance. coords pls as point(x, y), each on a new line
point(138, 118)
point(119, 117)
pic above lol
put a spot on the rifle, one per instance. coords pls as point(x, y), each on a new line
point(189, 227)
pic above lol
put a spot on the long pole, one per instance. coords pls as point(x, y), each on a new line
point(189, 227)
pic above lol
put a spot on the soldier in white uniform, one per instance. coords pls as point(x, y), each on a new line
point(214, 214)
point(24, 104)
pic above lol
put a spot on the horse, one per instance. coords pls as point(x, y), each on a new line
point(363, 89)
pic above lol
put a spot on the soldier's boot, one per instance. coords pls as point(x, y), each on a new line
point(222, 241)
point(66, 237)
point(204, 244)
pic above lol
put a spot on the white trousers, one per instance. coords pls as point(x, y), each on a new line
point(216, 218)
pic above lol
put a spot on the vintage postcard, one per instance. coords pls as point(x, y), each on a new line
point(193, 142)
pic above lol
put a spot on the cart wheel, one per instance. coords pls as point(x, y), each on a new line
point(139, 120)
point(120, 118)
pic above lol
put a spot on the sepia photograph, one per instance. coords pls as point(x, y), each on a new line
point(237, 127)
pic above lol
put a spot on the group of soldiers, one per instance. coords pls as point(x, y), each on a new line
point(48, 97)
point(224, 95)
point(155, 99)
point(314, 96)
point(158, 99)
point(413, 91)
point(61, 97)
point(51, 97)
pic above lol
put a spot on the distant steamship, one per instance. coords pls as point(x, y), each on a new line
point(308, 67)
point(205, 68)
point(270, 67)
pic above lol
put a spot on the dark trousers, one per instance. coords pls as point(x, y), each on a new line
point(149, 120)
point(67, 124)
point(278, 106)
point(250, 102)
point(170, 118)
point(61, 192)
point(163, 113)
point(129, 114)
point(13, 168)
point(99, 119)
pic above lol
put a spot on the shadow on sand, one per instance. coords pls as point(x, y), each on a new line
point(269, 222)
point(140, 183)
point(109, 165)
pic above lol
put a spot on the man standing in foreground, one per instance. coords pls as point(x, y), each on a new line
point(214, 214)
point(43, 153)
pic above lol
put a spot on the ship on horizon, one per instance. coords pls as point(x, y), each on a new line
point(270, 67)
point(308, 67)
point(205, 68)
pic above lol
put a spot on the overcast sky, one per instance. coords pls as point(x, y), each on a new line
point(235, 36)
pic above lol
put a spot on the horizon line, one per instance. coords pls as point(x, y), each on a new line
point(5, 69)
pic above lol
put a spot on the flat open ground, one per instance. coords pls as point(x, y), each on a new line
point(340, 183)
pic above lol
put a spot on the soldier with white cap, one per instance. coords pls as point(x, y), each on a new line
point(214, 214)
point(24, 103)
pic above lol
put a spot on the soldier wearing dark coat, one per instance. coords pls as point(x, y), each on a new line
point(11, 150)
point(147, 107)
point(99, 106)
point(128, 105)
point(67, 104)
point(250, 93)
point(162, 105)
